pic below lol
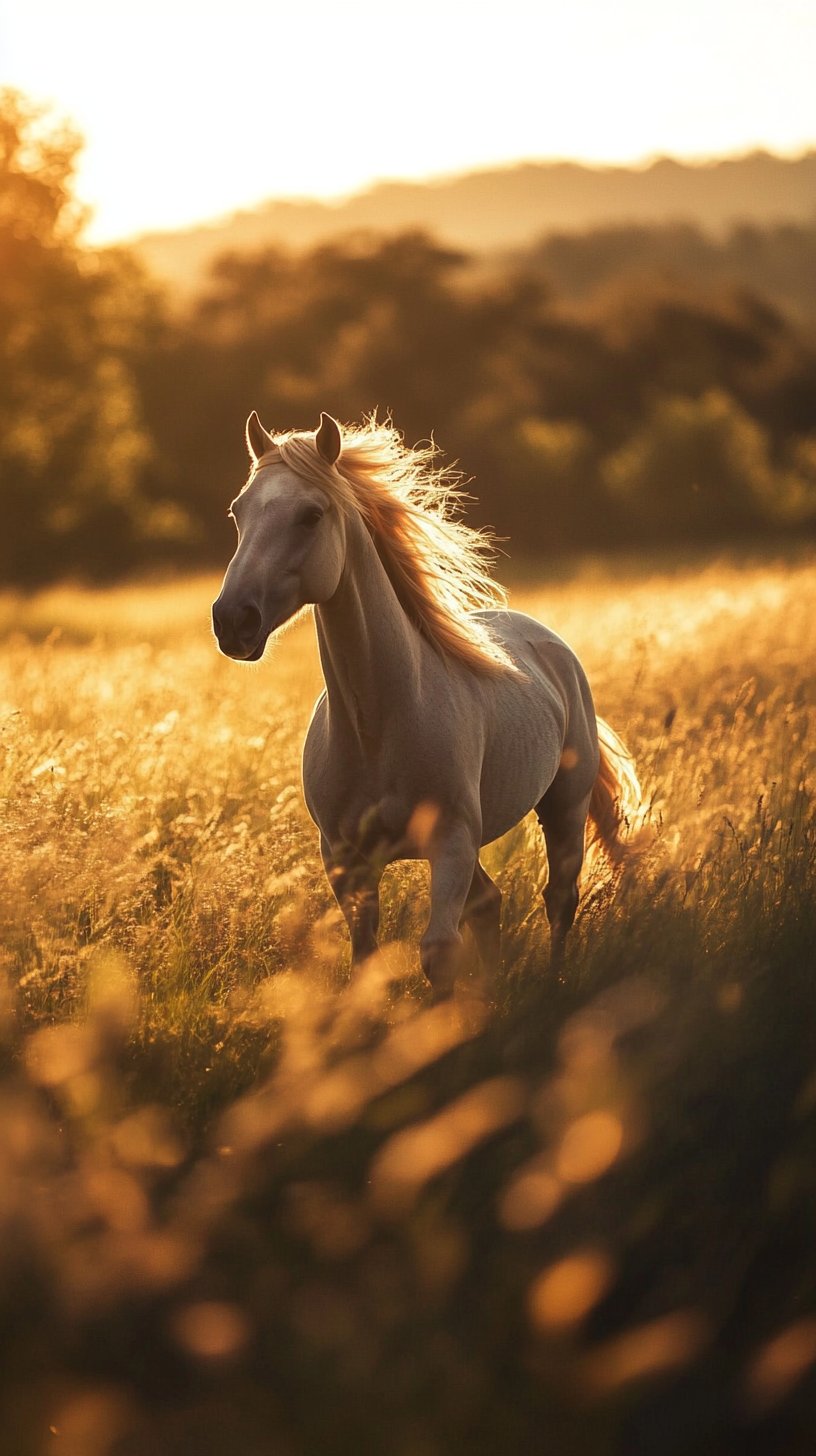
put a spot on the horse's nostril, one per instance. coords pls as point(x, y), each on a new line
point(247, 622)
point(237, 626)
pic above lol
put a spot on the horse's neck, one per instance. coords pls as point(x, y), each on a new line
point(370, 653)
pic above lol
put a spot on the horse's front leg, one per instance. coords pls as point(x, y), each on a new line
point(454, 856)
point(482, 913)
point(355, 881)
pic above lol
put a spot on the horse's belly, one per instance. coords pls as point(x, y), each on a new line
point(522, 756)
point(512, 787)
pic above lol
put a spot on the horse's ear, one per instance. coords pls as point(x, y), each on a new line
point(258, 439)
point(327, 439)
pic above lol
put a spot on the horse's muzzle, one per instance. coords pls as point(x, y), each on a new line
point(239, 631)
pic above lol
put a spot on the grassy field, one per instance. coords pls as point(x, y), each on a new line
point(249, 1206)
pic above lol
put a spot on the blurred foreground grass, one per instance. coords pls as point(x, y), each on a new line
point(250, 1207)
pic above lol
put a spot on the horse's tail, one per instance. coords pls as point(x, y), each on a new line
point(616, 801)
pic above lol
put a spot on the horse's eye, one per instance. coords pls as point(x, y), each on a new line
point(311, 516)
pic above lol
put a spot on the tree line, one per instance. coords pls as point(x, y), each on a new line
point(598, 394)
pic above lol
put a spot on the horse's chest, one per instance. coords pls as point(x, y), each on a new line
point(349, 779)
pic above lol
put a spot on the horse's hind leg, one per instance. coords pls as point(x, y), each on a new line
point(564, 827)
point(482, 913)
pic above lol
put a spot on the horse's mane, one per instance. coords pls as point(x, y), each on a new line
point(438, 566)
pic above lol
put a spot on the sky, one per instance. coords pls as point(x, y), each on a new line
point(193, 110)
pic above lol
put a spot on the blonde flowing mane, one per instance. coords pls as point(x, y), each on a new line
point(438, 566)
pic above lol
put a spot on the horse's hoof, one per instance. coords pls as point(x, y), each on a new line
point(441, 991)
point(440, 962)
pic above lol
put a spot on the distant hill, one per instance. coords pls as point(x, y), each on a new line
point(509, 207)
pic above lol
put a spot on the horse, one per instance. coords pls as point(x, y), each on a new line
point(446, 717)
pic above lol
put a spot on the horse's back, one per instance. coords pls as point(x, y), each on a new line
point(520, 633)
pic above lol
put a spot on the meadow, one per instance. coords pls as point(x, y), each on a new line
point(250, 1205)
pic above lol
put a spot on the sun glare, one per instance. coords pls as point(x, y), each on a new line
point(193, 111)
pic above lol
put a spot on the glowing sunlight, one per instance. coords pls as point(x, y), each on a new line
point(193, 111)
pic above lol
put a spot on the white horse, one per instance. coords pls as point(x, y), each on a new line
point(445, 717)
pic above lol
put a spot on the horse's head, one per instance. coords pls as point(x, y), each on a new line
point(291, 544)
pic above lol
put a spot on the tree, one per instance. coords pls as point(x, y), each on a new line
point(73, 446)
point(696, 468)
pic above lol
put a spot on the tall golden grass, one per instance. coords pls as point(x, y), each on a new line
point(152, 797)
point(249, 1205)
